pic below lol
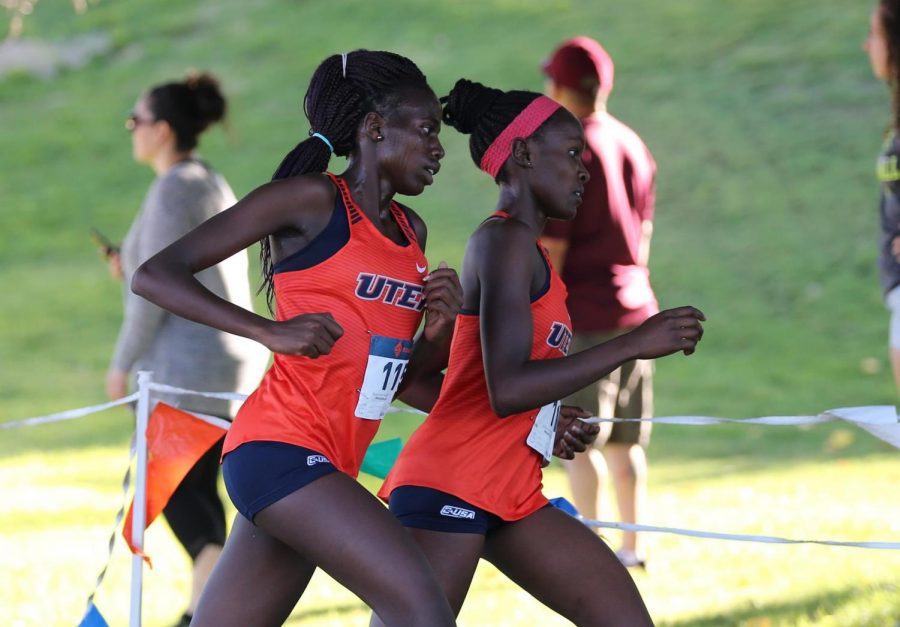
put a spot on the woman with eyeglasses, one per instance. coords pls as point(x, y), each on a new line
point(165, 126)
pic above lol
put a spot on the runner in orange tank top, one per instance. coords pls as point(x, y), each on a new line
point(456, 432)
point(468, 483)
point(377, 286)
point(345, 266)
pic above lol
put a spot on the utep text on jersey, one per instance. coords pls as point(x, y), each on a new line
point(560, 337)
point(389, 291)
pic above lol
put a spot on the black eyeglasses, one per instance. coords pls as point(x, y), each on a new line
point(134, 120)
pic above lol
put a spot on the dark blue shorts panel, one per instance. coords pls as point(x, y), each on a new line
point(259, 473)
point(426, 508)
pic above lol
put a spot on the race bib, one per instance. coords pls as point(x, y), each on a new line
point(388, 358)
point(543, 432)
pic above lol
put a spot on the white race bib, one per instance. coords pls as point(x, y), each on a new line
point(543, 432)
point(388, 359)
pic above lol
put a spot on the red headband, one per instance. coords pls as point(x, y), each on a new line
point(524, 124)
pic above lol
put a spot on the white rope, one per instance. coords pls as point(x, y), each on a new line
point(71, 414)
point(884, 415)
point(213, 420)
point(405, 410)
point(881, 421)
point(171, 389)
point(736, 537)
point(874, 414)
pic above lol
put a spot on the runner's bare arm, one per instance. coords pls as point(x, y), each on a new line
point(501, 257)
point(167, 279)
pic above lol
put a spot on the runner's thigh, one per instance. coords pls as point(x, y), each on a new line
point(453, 558)
point(256, 581)
point(568, 568)
point(335, 523)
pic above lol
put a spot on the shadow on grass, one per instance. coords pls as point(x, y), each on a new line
point(323, 612)
point(483, 586)
point(803, 610)
point(810, 608)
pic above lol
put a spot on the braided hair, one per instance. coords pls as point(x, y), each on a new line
point(343, 89)
point(889, 11)
point(189, 106)
point(482, 113)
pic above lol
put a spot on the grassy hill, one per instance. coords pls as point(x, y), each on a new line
point(765, 122)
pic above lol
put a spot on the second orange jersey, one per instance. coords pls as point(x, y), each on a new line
point(463, 447)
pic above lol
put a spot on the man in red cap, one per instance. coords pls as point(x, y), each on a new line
point(602, 256)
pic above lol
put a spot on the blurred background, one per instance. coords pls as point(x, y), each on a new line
point(765, 122)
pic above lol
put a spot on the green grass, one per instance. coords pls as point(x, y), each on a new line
point(764, 121)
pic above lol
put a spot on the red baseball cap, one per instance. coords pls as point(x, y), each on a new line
point(581, 64)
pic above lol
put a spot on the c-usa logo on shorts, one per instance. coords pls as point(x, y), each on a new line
point(312, 460)
point(457, 512)
point(560, 337)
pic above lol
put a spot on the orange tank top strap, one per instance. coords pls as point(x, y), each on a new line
point(403, 222)
point(353, 212)
point(503, 214)
point(546, 254)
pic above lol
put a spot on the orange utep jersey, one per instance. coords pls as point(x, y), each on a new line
point(333, 404)
point(463, 447)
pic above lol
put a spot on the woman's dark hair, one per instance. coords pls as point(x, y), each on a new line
point(189, 106)
point(482, 113)
point(343, 89)
point(889, 11)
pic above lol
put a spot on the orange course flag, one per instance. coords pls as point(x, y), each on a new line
point(175, 441)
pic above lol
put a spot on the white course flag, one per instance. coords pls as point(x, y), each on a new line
point(879, 420)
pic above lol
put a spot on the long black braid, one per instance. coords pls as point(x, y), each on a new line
point(482, 113)
point(335, 105)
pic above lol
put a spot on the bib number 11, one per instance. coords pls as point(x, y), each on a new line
point(387, 363)
point(393, 375)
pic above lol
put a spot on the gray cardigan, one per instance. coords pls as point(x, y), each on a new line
point(178, 351)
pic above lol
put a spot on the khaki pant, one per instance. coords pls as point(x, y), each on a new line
point(626, 392)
